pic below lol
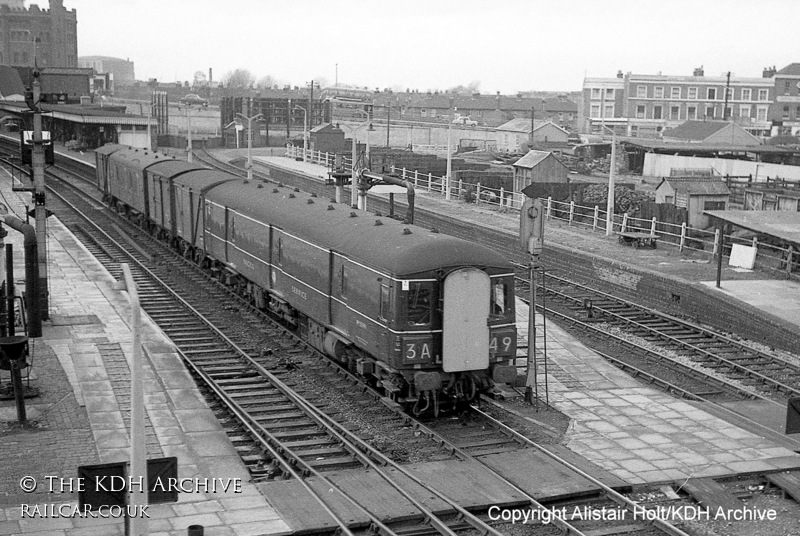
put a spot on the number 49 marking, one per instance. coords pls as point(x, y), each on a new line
point(505, 344)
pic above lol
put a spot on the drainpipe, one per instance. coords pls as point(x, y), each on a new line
point(31, 273)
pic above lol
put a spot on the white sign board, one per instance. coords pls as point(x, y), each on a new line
point(388, 189)
point(742, 256)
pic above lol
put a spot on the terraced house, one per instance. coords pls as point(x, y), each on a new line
point(645, 105)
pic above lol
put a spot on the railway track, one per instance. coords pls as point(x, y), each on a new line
point(278, 432)
point(252, 386)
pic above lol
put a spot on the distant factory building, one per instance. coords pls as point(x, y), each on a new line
point(122, 70)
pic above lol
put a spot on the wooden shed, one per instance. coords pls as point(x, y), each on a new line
point(695, 194)
point(538, 166)
point(328, 139)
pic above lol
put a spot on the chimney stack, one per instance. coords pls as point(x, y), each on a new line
point(698, 72)
point(769, 72)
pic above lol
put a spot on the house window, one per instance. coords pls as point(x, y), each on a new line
point(674, 112)
point(423, 112)
point(763, 94)
point(692, 93)
point(787, 87)
point(641, 92)
point(656, 112)
point(744, 111)
point(797, 113)
point(433, 112)
point(659, 92)
point(691, 112)
point(713, 205)
point(785, 112)
point(609, 111)
point(761, 113)
point(711, 93)
point(640, 111)
point(675, 93)
point(710, 110)
point(634, 131)
point(729, 93)
point(668, 199)
point(596, 93)
point(746, 93)
point(595, 110)
point(609, 93)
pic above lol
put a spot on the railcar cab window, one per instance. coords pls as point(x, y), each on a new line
point(501, 300)
point(418, 303)
point(385, 303)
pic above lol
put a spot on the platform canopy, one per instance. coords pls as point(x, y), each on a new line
point(782, 224)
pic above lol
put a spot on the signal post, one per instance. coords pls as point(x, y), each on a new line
point(40, 210)
point(531, 236)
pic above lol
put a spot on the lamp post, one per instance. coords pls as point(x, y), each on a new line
point(611, 178)
point(189, 134)
point(449, 155)
point(249, 143)
point(305, 132)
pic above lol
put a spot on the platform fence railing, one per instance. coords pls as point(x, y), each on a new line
point(768, 256)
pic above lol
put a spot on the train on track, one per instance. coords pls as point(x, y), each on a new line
point(428, 318)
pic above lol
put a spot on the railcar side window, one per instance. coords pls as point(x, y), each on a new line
point(384, 312)
point(419, 304)
point(499, 300)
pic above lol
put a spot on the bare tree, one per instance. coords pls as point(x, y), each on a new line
point(267, 82)
point(238, 80)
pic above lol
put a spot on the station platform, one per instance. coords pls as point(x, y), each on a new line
point(80, 365)
point(82, 415)
point(638, 433)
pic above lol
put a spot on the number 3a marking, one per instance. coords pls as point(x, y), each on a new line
point(411, 351)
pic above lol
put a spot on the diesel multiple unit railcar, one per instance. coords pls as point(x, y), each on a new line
point(429, 318)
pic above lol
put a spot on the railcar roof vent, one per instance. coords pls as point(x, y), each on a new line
point(246, 181)
point(378, 222)
point(280, 184)
point(406, 231)
point(260, 185)
point(275, 190)
point(330, 207)
point(332, 200)
point(435, 230)
point(292, 196)
point(297, 189)
point(353, 215)
point(310, 202)
point(313, 195)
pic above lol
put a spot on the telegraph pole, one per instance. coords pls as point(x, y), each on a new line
point(40, 210)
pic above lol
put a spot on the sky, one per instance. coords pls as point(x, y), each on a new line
point(491, 45)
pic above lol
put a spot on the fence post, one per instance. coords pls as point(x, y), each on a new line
point(549, 206)
point(653, 227)
point(404, 173)
point(430, 179)
point(596, 217)
point(624, 223)
point(683, 236)
point(460, 187)
point(391, 169)
point(478, 194)
point(502, 194)
point(571, 211)
point(717, 237)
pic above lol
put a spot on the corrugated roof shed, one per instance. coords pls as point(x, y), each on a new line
point(695, 130)
point(533, 158)
point(695, 186)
